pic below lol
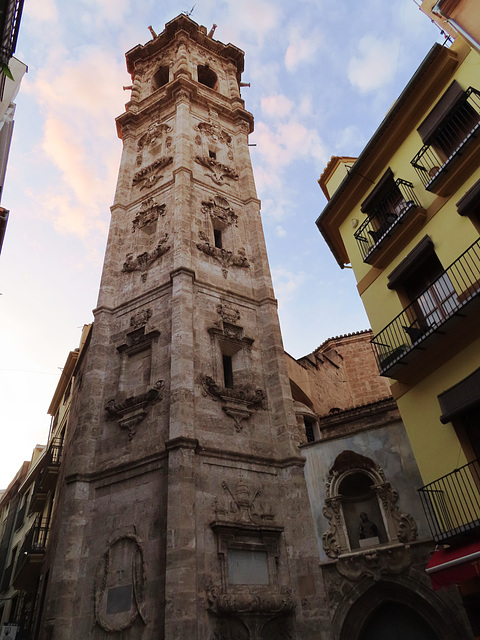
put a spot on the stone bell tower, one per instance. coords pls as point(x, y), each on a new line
point(183, 511)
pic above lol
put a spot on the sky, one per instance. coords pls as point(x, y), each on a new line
point(323, 74)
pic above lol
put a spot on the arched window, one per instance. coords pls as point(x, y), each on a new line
point(160, 78)
point(361, 507)
point(207, 77)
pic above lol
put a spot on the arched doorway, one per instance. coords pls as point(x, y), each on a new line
point(396, 621)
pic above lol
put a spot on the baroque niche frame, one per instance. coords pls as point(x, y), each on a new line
point(400, 527)
point(129, 410)
point(246, 524)
point(228, 338)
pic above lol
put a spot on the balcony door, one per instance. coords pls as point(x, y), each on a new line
point(432, 291)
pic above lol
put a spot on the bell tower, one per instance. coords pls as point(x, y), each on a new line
point(183, 511)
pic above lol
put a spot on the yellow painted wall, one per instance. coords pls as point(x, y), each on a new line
point(435, 445)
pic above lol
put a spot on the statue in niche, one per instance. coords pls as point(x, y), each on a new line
point(367, 528)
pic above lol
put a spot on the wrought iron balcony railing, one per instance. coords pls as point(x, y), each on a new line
point(36, 539)
point(446, 296)
point(452, 503)
point(54, 453)
point(389, 213)
point(459, 127)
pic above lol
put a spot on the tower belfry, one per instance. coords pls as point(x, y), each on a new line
point(183, 511)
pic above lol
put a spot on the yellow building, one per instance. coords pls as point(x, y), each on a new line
point(406, 215)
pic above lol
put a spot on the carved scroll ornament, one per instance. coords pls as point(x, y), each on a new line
point(239, 402)
point(218, 170)
point(154, 132)
point(225, 258)
point(150, 175)
point(219, 210)
point(131, 411)
point(143, 261)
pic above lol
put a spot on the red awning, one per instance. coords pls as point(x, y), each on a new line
point(453, 566)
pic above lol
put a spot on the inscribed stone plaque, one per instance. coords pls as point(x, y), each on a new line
point(247, 567)
point(119, 599)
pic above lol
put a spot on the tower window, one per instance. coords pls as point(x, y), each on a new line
point(207, 77)
point(309, 429)
point(217, 234)
point(228, 371)
point(160, 78)
point(212, 154)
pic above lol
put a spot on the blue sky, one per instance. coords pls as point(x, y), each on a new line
point(323, 74)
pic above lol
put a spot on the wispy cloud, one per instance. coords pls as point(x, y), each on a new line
point(374, 65)
point(302, 47)
point(277, 106)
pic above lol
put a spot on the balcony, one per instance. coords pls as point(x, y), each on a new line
point(450, 150)
point(30, 557)
point(451, 297)
point(49, 473)
point(452, 504)
point(388, 222)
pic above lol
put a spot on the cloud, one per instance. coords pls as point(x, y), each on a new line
point(42, 11)
point(301, 48)
point(250, 21)
point(277, 106)
point(286, 283)
point(375, 64)
point(287, 142)
point(280, 231)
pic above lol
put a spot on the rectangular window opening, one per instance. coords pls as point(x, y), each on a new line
point(228, 371)
point(212, 154)
point(217, 234)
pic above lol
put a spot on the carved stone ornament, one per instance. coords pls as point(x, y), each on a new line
point(239, 402)
point(405, 526)
point(143, 261)
point(120, 584)
point(131, 411)
point(241, 505)
point(228, 314)
point(154, 133)
point(140, 319)
point(375, 563)
point(218, 170)
point(213, 131)
point(225, 258)
point(149, 176)
point(220, 211)
point(148, 213)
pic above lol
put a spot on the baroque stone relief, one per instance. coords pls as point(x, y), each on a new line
point(219, 211)
point(120, 584)
point(218, 170)
point(140, 319)
point(228, 314)
point(147, 215)
point(131, 411)
point(225, 258)
point(156, 133)
point(375, 563)
point(148, 177)
point(238, 403)
point(241, 505)
point(144, 261)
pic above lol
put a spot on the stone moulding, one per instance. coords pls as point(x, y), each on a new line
point(253, 602)
point(225, 258)
point(149, 176)
point(131, 411)
point(143, 261)
point(375, 563)
point(238, 403)
point(218, 170)
point(241, 508)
